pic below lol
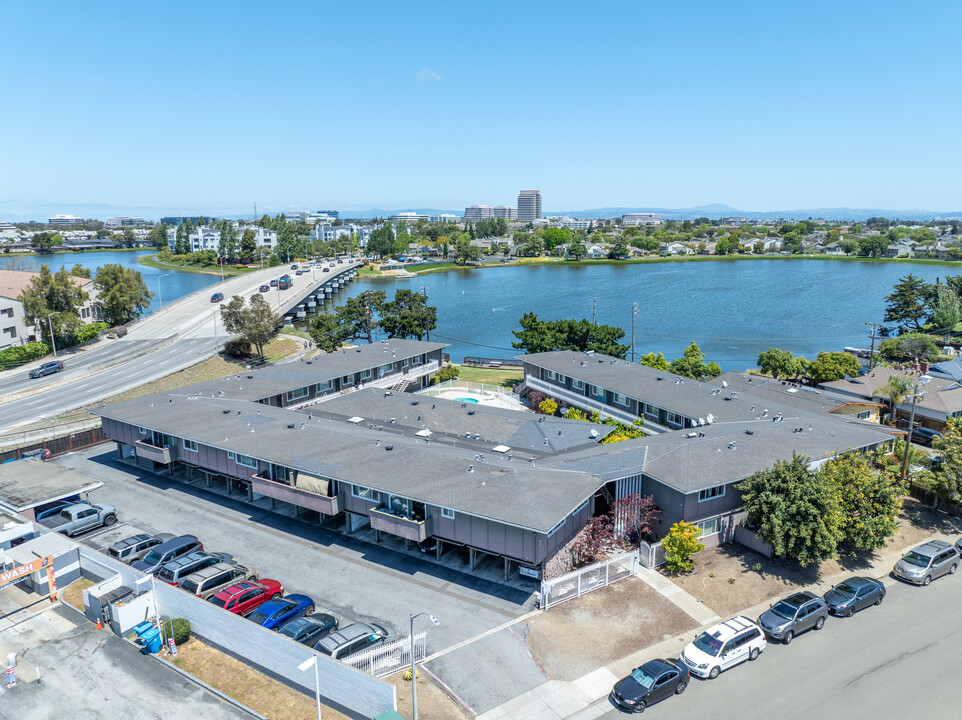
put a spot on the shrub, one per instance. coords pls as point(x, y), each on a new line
point(23, 353)
point(448, 373)
point(535, 398)
point(179, 628)
point(86, 333)
point(910, 346)
point(238, 347)
point(119, 330)
point(680, 544)
point(547, 407)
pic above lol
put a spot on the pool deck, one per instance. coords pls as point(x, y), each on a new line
point(506, 401)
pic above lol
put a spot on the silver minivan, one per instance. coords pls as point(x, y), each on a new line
point(211, 580)
point(179, 568)
point(135, 547)
point(927, 562)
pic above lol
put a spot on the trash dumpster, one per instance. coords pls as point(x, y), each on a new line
point(149, 636)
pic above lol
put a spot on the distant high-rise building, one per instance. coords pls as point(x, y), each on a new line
point(506, 211)
point(478, 212)
point(123, 221)
point(529, 205)
point(65, 220)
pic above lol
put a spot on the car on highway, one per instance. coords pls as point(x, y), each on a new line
point(792, 615)
point(351, 639)
point(300, 272)
point(245, 597)
point(723, 646)
point(48, 368)
point(309, 630)
point(211, 580)
point(274, 282)
point(274, 613)
point(162, 554)
point(294, 266)
point(854, 594)
point(133, 548)
point(217, 297)
point(652, 682)
point(927, 562)
point(264, 288)
point(327, 269)
point(179, 568)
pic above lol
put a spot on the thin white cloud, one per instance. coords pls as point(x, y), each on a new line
point(426, 74)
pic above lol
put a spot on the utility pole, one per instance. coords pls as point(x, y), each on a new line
point(594, 311)
point(427, 326)
point(871, 357)
point(634, 311)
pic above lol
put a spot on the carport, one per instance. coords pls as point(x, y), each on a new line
point(31, 483)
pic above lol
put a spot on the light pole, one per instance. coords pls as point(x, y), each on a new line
point(414, 676)
point(153, 599)
point(312, 660)
point(159, 296)
point(908, 436)
point(53, 342)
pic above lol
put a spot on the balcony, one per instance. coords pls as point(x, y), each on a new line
point(161, 455)
point(579, 400)
point(302, 498)
point(386, 521)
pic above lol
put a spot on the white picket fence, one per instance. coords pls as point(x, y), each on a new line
point(577, 583)
point(651, 556)
point(389, 658)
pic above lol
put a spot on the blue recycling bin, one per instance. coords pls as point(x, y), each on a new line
point(151, 640)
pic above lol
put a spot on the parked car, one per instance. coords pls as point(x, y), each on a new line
point(278, 611)
point(44, 511)
point(723, 646)
point(925, 436)
point(136, 546)
point(309, 630)
point(244, 597)
point(179, 568)
point(927, 562)
point(854, 594)
point(48, 368)
point(217, 297)
point(80, 517)
point(351, 639)
point(162, 554)
point(211, 580)
point(958, 545)
point(264, 288)
point(652, 682)
point(795, 614)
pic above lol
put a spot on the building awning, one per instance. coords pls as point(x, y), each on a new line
point(310, 483)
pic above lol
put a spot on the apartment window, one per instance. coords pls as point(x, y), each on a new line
point(385, 369)
point(710, 527)
point(142, 430)
point(347, 380)
point(557, 528)
point(447, 513)
point(190, 445)
point(404, 362)
point(324, 386)
point(366, 375)
point(298, 393)
point(651, 410)
point(549, 375)
point(711, 493)
point(231, 454)
point(245, 461)
point(620, 399)
point(7, 311)
point(365, 493)
point(577, 385)
point(863, 415)
point(399, 505)
point(675, 418)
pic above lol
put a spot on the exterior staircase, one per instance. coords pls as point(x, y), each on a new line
point(401, 385)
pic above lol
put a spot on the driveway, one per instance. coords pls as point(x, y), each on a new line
point(354, 580)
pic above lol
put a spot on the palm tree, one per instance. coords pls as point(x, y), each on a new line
point(894, 391)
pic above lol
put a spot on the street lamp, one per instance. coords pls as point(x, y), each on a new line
point(908, 436)
point(159, 296)
point(53, 342)
point(312, 660)
point(414, 676)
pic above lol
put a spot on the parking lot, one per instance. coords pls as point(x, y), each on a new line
point(349, 578)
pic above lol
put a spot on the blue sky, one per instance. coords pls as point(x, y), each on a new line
point(210, 107)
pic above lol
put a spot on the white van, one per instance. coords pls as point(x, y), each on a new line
point(723, 646)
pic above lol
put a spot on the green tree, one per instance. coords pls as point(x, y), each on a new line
point(80, 271)
point(910, 346)
point(158, 237)
point(407, 315)
point(619, 250)
point(796, 511)
point(655, 360)
point(357, 316)
point(533, 246)
point(947, 311)
point(780, 363)
point(577, 249)
point(556, 236)
point(227, 247)
point(680, 545)
point(256, 323)
point(50, 293)
point(182, 239)
point(122, 293)
point(381, 242)
point(908, 303)
point(831, 366)
point(464, 251)
point(692, 365)
point(870, 500)
point(546, 335)
point(248, 245)
point(947, 477)
point(894, 390)
point(326, 332)
point(129, 239)
point(45, 242)
point(873, 245)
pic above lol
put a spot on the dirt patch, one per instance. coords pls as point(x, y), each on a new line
point(730, 578)
point(433, 702)
point(578, 636)
point(73, 594)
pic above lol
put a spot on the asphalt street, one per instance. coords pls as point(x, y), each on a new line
point(355, 580)
point(898, 660)
point(167, 341)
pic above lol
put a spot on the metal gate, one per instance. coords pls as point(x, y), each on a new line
point(577, 583)
point(389, 658)
point(651, 555)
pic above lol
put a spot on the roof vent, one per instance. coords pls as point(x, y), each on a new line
point(660, 378)
point(358, 350)
point(226, 411)
point(471, 468)
point(601, 360)
point(377, 442)
point(388, 447)
point(258, 412)
point(477, 437)
point(290, 426)
point(302, 426)
point(392, 421)
point(250, 377)
point(731, 445)
point(593, 433)
point(691, 435)
point(749, 432)
point(701, 434)
point(559, 432)
point(470, 412)
point(414, 402)
point(583, 363)
point(309, 362)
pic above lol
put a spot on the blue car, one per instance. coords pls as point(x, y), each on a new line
point(275, 613)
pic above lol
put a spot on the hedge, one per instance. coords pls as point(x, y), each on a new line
point(179, 628)
point(20, 354)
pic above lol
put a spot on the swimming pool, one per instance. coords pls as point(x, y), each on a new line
point(470, 400)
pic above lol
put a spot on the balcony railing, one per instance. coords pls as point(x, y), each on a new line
point(152, 452)
point(386, 521)
point(579, 400)
point(296, 496)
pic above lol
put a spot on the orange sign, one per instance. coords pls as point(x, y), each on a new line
point(11, 576)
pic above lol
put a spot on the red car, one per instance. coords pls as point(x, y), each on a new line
point(245, 597)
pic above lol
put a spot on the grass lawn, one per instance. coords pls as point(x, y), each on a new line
point(507, 377)
point(152, 261)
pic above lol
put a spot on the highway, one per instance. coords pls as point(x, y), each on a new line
point(165, 342)
point(898, 660)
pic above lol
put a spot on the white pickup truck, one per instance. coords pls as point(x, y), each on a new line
point(80, 517)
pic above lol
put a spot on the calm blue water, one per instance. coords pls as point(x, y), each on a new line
point(733, 310)
point(173, 285)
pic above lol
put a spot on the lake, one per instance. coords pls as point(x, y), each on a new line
point(733, 309)
point(173, 284)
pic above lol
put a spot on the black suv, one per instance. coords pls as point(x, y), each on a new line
point(925, 436)
point(48, 368)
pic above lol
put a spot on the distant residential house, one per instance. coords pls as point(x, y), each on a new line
point(596, 251)
point(897, 250)
point(15, 327)
point(677, 248)
point(772, 244)
point(329, 233)
point(832, 249)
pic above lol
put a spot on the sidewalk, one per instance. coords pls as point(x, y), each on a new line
point(587, 697)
